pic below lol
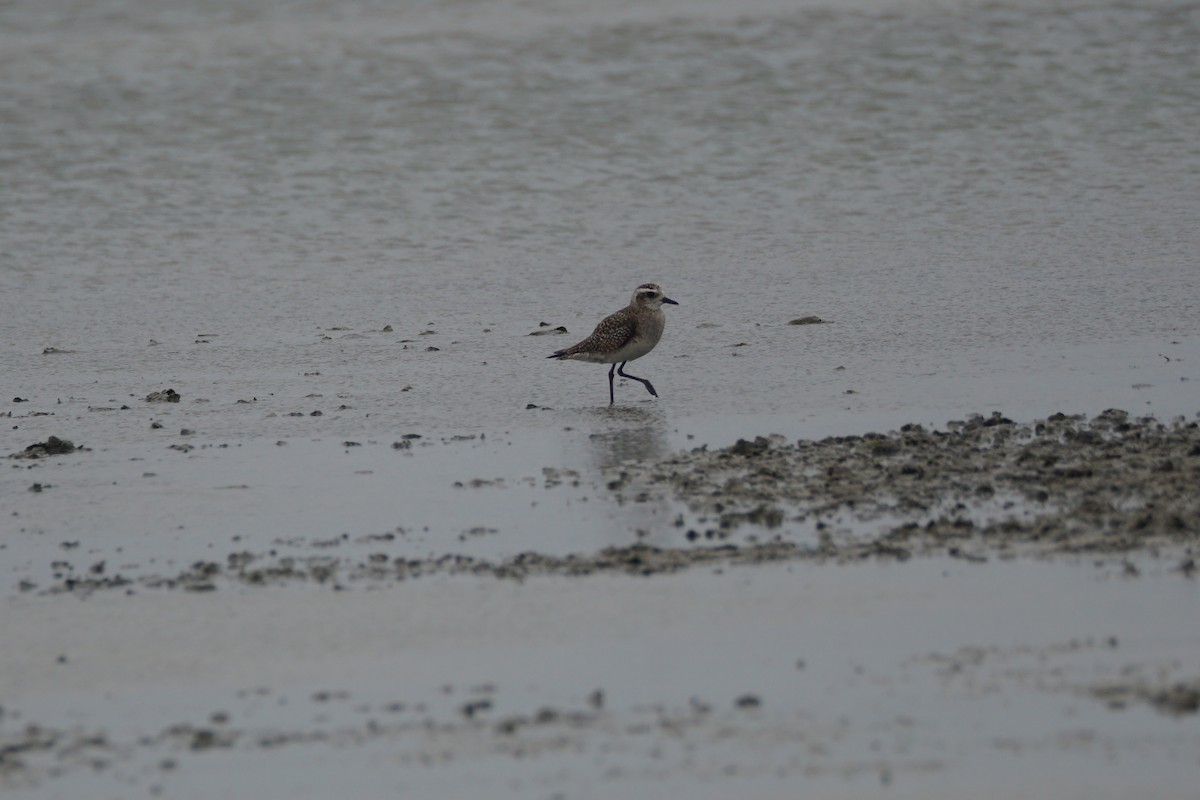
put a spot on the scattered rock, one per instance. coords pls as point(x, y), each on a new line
point(807, 321)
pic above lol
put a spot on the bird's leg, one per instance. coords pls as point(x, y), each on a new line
point(610, 381)
point(649, 386)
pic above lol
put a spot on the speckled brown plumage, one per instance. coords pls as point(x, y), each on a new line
point(630, 333)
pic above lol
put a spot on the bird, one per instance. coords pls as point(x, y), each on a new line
point(630, 333)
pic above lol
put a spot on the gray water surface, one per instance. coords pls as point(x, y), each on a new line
point(961, 189)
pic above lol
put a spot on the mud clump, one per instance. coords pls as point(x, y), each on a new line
point(53, 446)
point(747, 449)
point(163, 396)
point(1176, 700)
point(244, 568)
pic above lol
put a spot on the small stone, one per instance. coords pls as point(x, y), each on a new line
point(748, 701)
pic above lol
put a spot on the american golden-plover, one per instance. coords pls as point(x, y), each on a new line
point(621, 337)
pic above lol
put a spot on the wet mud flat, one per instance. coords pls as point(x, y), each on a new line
point(836, 613)
point(759, 679)
point(1112, 488)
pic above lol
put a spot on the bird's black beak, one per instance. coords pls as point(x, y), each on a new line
point(669, 301)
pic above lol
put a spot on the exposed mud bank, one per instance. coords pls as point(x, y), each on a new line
point(985, 487)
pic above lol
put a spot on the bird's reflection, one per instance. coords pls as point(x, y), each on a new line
point(627, 434)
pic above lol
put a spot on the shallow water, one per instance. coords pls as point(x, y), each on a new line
point(964, 191)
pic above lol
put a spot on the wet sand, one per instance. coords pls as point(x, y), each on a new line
point(869, 683)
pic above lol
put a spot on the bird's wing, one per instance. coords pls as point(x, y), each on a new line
point(614, 332)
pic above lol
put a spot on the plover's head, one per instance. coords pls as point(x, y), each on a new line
point(651, 295)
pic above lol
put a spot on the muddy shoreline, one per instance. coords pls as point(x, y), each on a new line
point(1107, 488)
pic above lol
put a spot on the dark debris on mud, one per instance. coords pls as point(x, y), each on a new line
point(416, 733)
point(53, 446)
point(252, 570)
point(1178, 699)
